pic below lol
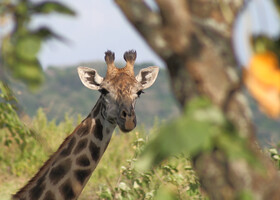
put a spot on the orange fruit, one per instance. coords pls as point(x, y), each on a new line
point(262, 79)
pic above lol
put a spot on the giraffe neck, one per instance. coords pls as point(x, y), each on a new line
point(67, 171)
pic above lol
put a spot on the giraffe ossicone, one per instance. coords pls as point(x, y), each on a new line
point(66, 172)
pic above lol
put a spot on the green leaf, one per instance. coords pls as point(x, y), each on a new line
point(49, 7)
point(28, 47)
point(45, 33)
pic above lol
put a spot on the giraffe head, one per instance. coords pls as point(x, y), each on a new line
point(120, 88)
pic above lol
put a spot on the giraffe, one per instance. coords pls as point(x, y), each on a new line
point(66, 172)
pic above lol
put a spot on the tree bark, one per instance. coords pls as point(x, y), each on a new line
point(193, 37)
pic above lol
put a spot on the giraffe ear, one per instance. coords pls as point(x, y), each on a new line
point(90, 78)
point(147, 76)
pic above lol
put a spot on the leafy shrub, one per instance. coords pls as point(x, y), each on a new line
point(13, 129)
point(172, 179)
point(30, 145)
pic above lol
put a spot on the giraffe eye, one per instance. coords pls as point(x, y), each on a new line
point(139, 92)
point(103, 91)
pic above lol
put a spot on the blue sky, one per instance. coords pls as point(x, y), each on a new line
point(98, 26)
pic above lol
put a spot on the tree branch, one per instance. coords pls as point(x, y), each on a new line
point(149, 22)
point(176, 25)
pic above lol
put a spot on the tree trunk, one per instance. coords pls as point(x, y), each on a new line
point(193, 37)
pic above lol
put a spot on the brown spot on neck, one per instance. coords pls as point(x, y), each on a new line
point(84, 127)
point(83, 161)
point(94, 151)
point(97, 109)
point(49, 196)
point(98, 130)
point(58, 172)
point(82, 144)
point(66, 190)
point(67, 151)
point(37, 191)
point(82, 174)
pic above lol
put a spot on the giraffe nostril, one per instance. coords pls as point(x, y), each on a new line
point(123, 114)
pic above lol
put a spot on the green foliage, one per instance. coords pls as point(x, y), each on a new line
point(25, 157)
point(13, 130)
point(173, 179)
point(201, 128)
point(13, 133)
point(20, 47)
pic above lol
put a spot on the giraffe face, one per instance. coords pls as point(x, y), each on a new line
point(119, 92)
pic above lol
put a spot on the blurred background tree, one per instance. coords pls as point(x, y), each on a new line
point(20, 46)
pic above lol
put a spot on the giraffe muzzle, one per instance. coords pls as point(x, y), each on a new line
point(127, 120)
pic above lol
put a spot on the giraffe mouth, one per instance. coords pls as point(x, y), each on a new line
point(127, 125)
point(125, 130)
